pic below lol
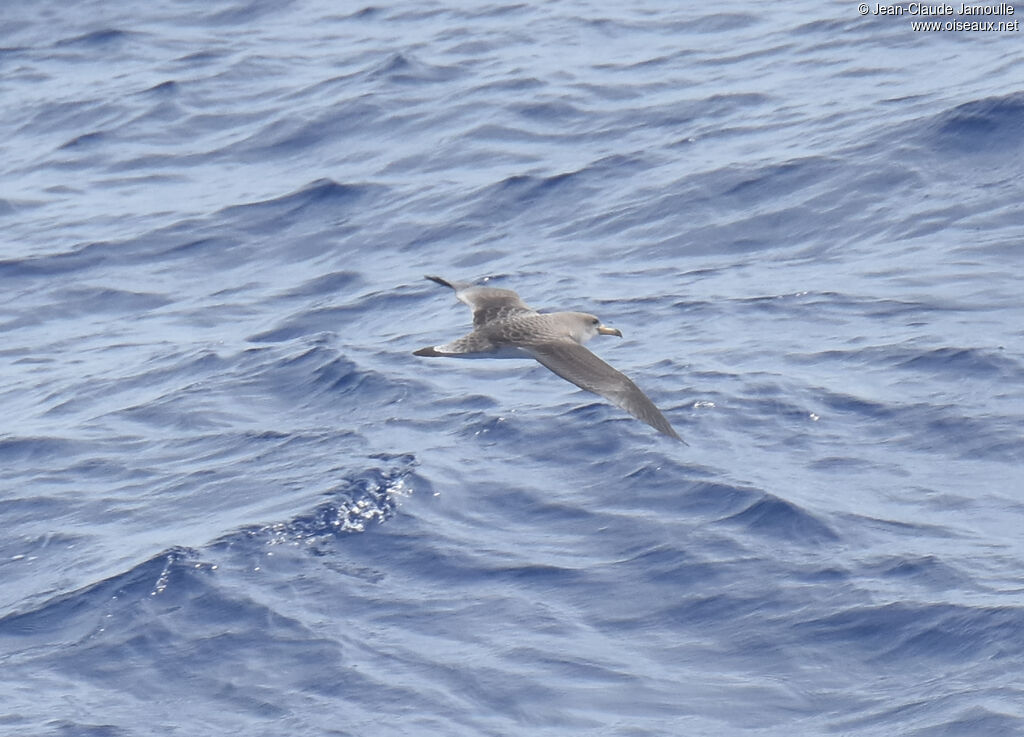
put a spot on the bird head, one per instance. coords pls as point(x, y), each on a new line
point(587, 326)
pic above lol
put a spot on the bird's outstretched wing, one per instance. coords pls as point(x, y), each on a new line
point(574, 363)
point(487, 303)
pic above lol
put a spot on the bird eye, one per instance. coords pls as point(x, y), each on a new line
point(595, 321)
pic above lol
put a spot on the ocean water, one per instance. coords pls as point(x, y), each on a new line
point(234, 502)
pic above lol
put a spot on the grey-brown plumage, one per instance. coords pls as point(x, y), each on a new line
point(504, 326)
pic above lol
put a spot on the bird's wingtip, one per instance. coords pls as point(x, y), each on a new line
point(439, 280)
point(428, 351)
point(670, 432)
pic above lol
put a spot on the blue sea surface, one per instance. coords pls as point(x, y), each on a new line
point(234, 502)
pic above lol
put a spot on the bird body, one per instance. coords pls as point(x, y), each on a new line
point(506, 327)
